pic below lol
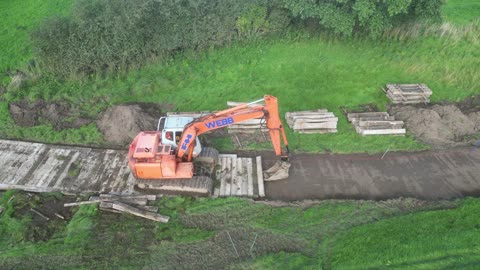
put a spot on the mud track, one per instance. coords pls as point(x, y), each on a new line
point(428, 175)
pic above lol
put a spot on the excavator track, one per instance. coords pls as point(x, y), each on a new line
point(201, 184)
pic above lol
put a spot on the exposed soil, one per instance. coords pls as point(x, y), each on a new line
point(41, 229)
point(440, 125)
point(121, 123)
point(60, 115)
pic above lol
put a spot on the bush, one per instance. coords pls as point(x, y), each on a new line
point(114, 35)
point(373, 17)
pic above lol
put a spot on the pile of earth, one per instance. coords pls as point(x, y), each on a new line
point(121, 123)
point(60, 115)
point(441, 125)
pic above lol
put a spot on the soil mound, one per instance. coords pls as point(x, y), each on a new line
point(439, 125)
point(60, 115)
point(121, 123)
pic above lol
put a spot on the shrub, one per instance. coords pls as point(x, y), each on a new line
point(112, 35)
point(373, 17)
point(115, 34)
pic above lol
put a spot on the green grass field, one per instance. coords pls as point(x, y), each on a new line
point(461, 11)
point(18, 18)
point(400, 234)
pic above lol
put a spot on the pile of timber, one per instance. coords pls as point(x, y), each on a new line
point(249, 126)
point(132, 204)
point(376, 123)
point(408, 93)
point(317, 121)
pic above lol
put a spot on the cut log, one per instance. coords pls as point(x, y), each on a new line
point(139, 212)
point(59, 216)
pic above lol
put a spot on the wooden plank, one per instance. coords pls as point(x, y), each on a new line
point(39, 213)
point(384, 132)
point(247, 126)
point(320, 116)
point(246, 131)
point(256, 121)
point(351, 116)
point(135, 201)
point(236, 103)
point(82, 203)
point(304, 126)
point(249, 189)
point(237, 178)
point(317, 131)
point(261, 187)
point(231, 177)
point(379, 123)
point(381, 118)
point(224, 167)
point(139, 212)
point(129, 197)
point(150, 208)
point(304, 113)
point(325, 120)
point(28, 188)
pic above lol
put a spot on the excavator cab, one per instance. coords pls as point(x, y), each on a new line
point(171, 128)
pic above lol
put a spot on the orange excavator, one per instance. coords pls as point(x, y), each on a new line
point(173, 167)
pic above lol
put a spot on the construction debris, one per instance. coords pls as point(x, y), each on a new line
point(376, 123)
point(40, 214)
point(317, 121)
point(139, 212)
point(408, 93)
point(132, 204)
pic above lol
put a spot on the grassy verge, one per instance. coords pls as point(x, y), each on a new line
point(444, 239)
point(238, 234)
point(304, 74)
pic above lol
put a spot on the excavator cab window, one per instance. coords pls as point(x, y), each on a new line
point(178, 135)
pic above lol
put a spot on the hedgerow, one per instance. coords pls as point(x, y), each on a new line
point(112, 35)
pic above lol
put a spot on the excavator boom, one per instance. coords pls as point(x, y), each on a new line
point(234, 115)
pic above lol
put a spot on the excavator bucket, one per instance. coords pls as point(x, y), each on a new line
point(277, 172)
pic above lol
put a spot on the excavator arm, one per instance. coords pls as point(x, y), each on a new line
point(234, 115)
